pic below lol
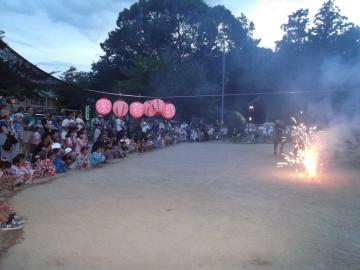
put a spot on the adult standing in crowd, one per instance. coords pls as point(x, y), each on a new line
point(55, 136)
point(18, 124)
point(79, 121)
point(7, 139)
point(120, 128)
point(67, 123)
point(47, 123)
point(145, 127)
point(29, 122)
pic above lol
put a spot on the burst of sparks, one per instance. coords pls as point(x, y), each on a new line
point(305, 156)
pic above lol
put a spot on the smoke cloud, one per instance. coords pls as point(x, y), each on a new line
point(339, 112)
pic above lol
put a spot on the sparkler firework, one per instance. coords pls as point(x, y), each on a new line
point(304, 157)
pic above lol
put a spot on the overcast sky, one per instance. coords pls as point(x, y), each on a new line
point(55, 34)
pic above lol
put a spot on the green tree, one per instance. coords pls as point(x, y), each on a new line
point(162, 46)
point(168, 76)
point(137, 75)
point(329, 25)
point(186, 77)
point(296, 33)
point(76, 95)
point(78, 78)
point(189, 28)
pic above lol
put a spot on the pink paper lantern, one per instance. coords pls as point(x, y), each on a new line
point(149, 109)
point(136, 109)
point(103, 106)
point(120, 108)
point(169, 111)
point(158, 105)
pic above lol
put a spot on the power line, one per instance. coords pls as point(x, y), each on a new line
point(219, 95)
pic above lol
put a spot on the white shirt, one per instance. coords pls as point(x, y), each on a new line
point(184, 125)
point(224, 131)
point(119, 124)
point(80, 123)
point(144, 127)
point(97, 134)
point(68, 122)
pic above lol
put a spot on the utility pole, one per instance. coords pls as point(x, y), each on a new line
point(223, 90)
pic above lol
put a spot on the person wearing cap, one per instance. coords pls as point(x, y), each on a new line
point(69, 158)
point(55, 146)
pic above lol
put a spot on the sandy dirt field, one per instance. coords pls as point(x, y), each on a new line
point(192, 206)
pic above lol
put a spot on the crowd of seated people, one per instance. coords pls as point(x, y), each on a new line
point(32, 149)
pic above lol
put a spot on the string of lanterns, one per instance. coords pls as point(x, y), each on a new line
point(150, 108)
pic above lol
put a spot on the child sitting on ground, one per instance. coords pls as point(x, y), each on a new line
point(43, 166)
point(69, 157)
point(47, 166)
point(36, 164)
point(118, 150)
point(140, 147)
point(7, 181)
point(97, 156)
point(57, 161)
point(148, 145)
point(16, 171)
point(26, 168)
point(109, 151)
point(158, 141)
point(131, 145)
point(70, 140)
point(82, 159)
point(81, 141)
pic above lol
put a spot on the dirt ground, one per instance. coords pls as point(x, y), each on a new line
point(192, 206)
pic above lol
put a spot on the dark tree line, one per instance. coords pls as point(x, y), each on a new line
point(166, 47)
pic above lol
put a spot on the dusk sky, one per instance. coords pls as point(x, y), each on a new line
point(55, 34)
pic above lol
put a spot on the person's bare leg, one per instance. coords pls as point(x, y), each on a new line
point(4, 216)
point(26, 148)
point(275, 147)
point(282, 148)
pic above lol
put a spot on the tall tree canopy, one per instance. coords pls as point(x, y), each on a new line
point(163, 47)
point(329, 24)
point(296, 31)
point(321, 57)
point(166, 47)
point(188, 28)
